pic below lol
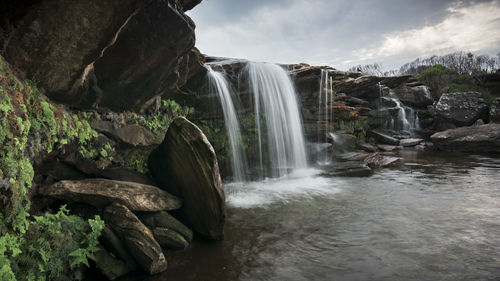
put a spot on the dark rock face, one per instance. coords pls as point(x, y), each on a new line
point(134, 135)
point(419, 96)
point(495, 111)
point(57, 39)
point(461, 109)
point(146, 58)
point(137, 237)
point(483, 138)
point(185, 165)
point(101, 192)
point(113, 54)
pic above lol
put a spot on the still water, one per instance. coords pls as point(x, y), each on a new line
point(432, 217)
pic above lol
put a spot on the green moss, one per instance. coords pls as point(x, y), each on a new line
point(32, 126)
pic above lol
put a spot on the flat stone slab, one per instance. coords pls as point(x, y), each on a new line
point(383, 138)
point(377, 160)
point(388, 148)
point(410, 142)
point(348, 169)
point(102, 192)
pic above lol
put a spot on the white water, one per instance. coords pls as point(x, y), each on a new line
point(220, 86)
point(298, 185)
point(406, 121)
point(325, 103)
point(274, 95)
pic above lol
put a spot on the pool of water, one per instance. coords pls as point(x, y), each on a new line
point(432, 217)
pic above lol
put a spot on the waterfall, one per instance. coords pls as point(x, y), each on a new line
point(406, 119)
point(220, 86)
point(325, 103)
point(274, 95)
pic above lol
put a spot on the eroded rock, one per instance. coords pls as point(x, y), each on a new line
point(102, 192)
point(137, 237)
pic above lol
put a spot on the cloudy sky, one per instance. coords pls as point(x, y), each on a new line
point(345, 33)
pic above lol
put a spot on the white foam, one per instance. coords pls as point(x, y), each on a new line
point(300, 184)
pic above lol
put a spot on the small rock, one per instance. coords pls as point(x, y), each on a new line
point(388, 148)
point(165, 220)
point(169, 238)
point(384, 138)
point(410, 142)
point(379, 161)
point(368, 147)
point(348, 169)
point(352, 156)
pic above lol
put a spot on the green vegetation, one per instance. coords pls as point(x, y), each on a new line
point(161, 120)
point(356, 127)
point(53, 245)
point(444, 80)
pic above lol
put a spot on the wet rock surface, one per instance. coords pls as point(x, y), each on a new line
point(185, 164)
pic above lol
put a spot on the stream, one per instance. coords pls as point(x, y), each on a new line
point(435, 216)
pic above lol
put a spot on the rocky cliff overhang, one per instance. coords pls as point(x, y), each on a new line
point(102, 53)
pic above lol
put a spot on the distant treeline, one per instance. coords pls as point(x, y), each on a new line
point(461, 62)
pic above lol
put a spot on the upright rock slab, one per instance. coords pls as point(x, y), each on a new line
point(138, 238)
point(185, 165)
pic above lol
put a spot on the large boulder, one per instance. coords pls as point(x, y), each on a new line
point(138, 238)
point(419, 96)
point(482, 138)
point(495, 111)
point(113, 54)
point(185, 165)
point(102, 192)
point(461, 109)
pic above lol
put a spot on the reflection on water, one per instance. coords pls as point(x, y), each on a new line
point(434, 217)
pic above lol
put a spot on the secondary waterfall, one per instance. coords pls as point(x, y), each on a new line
point(325, 114)
point(274, 95)
point(220, 86)
point(404, 120)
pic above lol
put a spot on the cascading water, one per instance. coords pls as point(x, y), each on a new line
point(274, 94)
point(404, 121)
point(325, 113)
point(220, 86)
